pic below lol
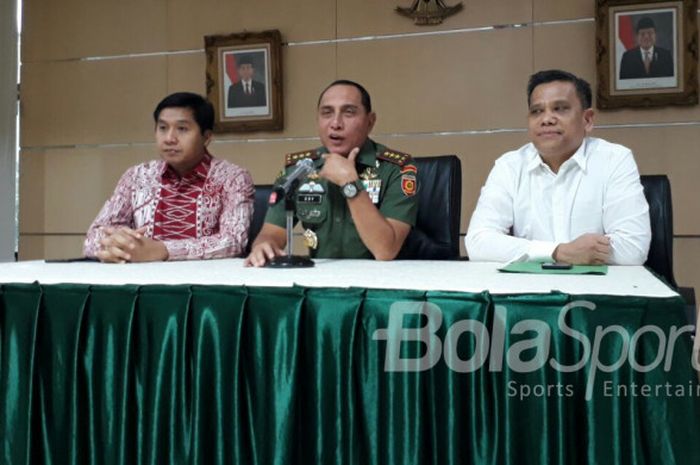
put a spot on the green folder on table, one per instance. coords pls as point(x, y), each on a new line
point(536, 268)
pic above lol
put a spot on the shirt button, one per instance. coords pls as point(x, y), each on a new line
point(337, 219)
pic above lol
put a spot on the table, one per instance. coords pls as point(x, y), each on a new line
point(210, 362)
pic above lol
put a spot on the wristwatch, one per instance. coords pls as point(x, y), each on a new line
point(351, 189)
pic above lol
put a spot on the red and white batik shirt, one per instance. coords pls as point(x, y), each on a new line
point(204, 214)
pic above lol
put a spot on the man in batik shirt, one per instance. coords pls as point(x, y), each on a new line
point(187, 205)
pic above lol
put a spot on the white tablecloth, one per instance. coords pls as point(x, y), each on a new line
point(460, 276)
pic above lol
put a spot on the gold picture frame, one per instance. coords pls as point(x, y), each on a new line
point(244, 81)
point(646, 53)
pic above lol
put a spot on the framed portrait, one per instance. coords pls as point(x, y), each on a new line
point(646, 53)
point(244, 81)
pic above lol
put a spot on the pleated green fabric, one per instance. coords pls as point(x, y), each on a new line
point(131, 375)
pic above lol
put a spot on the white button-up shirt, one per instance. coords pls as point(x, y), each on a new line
point(525, 209)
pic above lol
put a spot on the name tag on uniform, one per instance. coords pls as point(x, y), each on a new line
point(310, 198)
point(373, 188)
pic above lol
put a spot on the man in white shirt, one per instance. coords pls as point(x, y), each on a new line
point(565, 196)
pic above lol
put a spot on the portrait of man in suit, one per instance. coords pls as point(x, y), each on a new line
point(647, 59)
point(247, 91)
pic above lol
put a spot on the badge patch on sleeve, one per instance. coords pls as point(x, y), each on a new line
point(408, 184)
point(408, 180)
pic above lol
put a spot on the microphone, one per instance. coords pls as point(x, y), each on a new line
point(303, 168)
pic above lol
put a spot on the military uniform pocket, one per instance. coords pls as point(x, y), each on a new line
point(312, 208)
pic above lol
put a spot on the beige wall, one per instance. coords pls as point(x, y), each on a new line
point(93, 72)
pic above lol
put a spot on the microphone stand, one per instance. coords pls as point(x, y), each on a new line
point(289, 260)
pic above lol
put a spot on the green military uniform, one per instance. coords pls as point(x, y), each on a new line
point(389, 178)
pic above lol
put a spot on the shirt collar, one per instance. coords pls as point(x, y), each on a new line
point(579, 157)
point(651, 52)
point(368, 153)
point(199, 172)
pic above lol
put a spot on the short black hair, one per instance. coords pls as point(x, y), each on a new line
point(364, 95)
point(202, 109)
point(645, 23)
point(244, 60)
point(583, 88)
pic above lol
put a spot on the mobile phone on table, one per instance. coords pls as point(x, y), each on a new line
point(556, 266)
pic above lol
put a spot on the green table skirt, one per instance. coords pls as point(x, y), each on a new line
point(233, 375)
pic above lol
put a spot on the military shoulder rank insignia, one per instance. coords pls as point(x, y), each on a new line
point(293, 158)
point(408, 180)
point(392, 156)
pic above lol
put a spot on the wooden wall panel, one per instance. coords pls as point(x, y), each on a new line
point(188, 21)
point(56, 30)
point(308, 70)
point(101, 102)
point(566, 46)
point(187, 73)
point(556, 10)
point(50, 247)
point(371, 17)
point(32, 248)
point(443, 83)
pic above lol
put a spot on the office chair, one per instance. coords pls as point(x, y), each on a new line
point(436, 233)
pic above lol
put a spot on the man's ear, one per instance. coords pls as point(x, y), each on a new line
point(372, 120)
point(588, 114)
point(207, 137)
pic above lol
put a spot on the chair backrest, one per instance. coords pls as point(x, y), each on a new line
point(436, 234)
point(262, 195)
point(657, 190)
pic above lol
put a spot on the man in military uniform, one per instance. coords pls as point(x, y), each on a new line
point(359, 202)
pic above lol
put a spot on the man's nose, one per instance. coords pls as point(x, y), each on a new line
point(337, 121)
point(548, 117)
point(171, 135)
